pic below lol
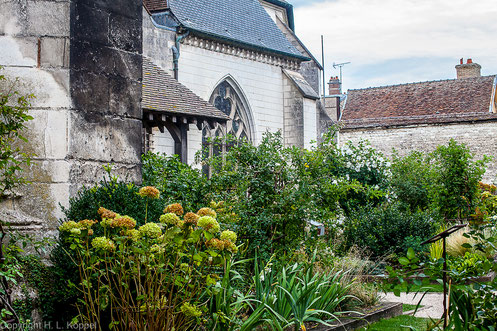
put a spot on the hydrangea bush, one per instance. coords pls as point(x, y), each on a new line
point(154, 276)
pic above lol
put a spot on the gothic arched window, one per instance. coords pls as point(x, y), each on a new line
point(227, 98)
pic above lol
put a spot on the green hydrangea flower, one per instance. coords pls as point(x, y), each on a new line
point(133, 234)
point(190, 310)
point(228, 235)
point(157, 249)
point(209, 224)
point(207, 212)
point(169, 218)
point(107, 222)
point(68, 226)
point(150, 230)
point(75, 231)
point(103, 243)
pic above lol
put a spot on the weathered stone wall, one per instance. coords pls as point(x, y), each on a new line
point(106, 71)
point(157, 44)
point(310, 123)
point(34, 47)
point(480, 137)
point(293, 133)
point(82, 61)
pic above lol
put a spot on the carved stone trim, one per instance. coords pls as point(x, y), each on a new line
point(219, 47)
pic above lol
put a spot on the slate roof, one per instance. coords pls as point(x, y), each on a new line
point(243, 22)
point(441, 101)
point(304, 87)
point(163, 93)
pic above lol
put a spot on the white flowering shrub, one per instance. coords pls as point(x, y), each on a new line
point(365, 164)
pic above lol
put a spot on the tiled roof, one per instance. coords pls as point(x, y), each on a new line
point(243, 22)
point(161, 92)
point(442, 101)
point(300, 82)
point(155, 5)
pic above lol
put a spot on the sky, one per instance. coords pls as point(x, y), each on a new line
point(398, 41)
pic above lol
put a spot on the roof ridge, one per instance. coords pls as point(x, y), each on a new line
point(421, 82)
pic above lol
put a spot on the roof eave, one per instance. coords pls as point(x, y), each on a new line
point(214, 118)
point(245, 45)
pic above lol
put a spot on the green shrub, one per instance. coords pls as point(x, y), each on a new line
point(384, 229)
point(364, 164)
point(58, 302)
point(113, 194)
point(262, 185)
point(457, 180)
point(412, 179)
point(469, 265)
point(14, 115)
point(177, 182)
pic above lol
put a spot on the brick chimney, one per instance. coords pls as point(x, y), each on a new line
point(334, 86)
point(468, 69)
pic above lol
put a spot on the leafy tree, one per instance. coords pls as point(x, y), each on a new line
point(457, 179)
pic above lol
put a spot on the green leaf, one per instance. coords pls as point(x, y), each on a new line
point(404, 261)
point(410, 253)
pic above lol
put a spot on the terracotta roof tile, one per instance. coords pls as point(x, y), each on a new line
point(161, 92)
point(155, 5)
point(427, 102)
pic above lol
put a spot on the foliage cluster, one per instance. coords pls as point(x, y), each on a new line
point(13, 120)
point(388, 229)
point(14, 115)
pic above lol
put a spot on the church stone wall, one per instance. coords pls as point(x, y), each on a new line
point(157, 44)
point(293, 134)
point(480, 137)
point(201, 70)
point(82, 61)
point(105, 73)
point(310, 125)
point(34, 47)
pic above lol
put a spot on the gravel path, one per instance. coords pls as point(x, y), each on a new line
point(432, 303)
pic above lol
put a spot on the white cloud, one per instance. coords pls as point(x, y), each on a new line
point(370, 31)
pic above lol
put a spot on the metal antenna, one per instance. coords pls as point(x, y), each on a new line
point(340, 65)
point(322, 63)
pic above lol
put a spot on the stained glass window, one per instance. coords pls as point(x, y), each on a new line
point(226, 98)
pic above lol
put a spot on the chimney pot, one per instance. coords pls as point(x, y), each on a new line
point(470, 61)
point(462, 61)
point(334, 86)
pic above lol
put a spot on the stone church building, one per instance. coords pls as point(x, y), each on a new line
point(113, 79)
point(421, 116)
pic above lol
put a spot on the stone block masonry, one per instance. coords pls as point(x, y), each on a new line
point(105, 75)
point(82, 61)
point(480, 137)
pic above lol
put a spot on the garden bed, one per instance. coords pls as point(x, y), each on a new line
point(371, 315)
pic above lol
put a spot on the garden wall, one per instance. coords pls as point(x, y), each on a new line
point(480, 137)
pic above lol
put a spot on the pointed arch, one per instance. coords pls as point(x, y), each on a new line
point(228, 97)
